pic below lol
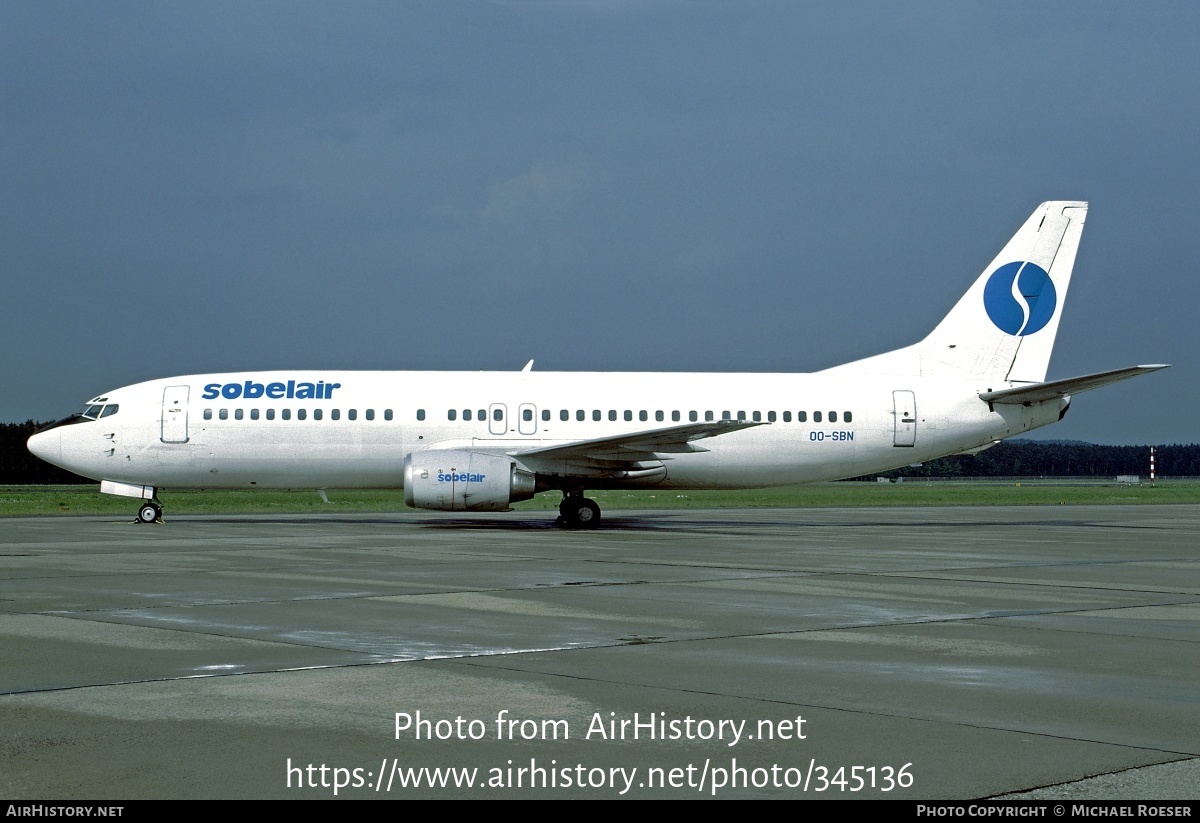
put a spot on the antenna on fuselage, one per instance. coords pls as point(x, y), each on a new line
point(528, 366)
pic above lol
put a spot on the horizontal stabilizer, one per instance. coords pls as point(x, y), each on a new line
point(1037, 392)
point(978, 449)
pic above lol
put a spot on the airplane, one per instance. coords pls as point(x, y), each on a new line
point(481, 441)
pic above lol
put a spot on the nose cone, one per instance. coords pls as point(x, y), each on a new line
point(48, 446)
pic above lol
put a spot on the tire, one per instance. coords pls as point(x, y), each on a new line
point(583, 514)
point(149, 513)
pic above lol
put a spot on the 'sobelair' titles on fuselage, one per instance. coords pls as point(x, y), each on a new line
point(249, 390)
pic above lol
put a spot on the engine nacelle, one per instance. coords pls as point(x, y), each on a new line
point(453, 480)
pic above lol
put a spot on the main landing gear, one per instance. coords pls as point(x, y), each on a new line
point(578, 512)
point(150, 512)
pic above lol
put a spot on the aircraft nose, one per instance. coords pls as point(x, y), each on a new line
point(48, 446)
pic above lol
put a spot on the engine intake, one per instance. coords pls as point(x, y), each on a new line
point(454, 480)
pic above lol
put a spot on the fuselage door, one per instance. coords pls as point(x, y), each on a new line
point(527, 419)
point(174, 414)
point(905, 405)
point(498, 419)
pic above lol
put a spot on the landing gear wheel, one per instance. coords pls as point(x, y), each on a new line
point(577, 512)
point(149, 513)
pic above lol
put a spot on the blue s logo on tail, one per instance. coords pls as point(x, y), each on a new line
point(1020, 298)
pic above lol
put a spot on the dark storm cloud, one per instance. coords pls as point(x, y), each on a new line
point(657, 185)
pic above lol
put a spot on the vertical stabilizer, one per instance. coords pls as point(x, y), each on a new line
point(1005, 325)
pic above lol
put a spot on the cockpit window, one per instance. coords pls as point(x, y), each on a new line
point(95, 411)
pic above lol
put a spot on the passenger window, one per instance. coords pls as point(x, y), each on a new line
point(237, 414)
point(612, 414)
point(659, 416)
point(527, 415)
point(787, 417)
point(758, 417)
point(371, 414)
point(580, 415)
point(833, 417)
point(816, 417)
point(725, 415)
point(497, 415)
point(481, 415)
point(335, 414)
point(317, 414)
point(451, 415)
point(564, 415)
point(628, 415)
point(254, 414)
point(708, 416)
point(270, 414)
point(223, 414)
point(208, 414)
point(770, 417)
point(802, 417)
point(741, 415)
point(301, 414)
point(286, 414)
point(848, 418)
point(467, 414)
point(387, 414)
point(596, 415)
point(352, 414)
point(675, 416)
point(693, 416)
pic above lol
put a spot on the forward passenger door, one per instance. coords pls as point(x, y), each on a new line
point(174, 414)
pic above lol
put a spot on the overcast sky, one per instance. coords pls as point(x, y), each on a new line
point(622, 185)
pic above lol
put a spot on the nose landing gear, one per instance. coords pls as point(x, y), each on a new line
point(150, 512)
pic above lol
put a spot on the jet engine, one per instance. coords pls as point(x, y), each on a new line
point(453, 480)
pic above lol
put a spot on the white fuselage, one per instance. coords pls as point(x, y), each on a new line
point(354, 429)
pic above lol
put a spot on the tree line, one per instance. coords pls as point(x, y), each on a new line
point(1012, 458)
point(20, 468)
point(1037, 458)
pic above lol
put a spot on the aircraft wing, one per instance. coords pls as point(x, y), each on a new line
point(1036, 392)
point(626, 449)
